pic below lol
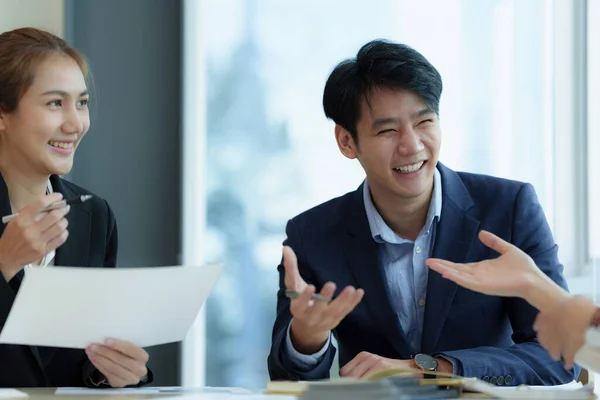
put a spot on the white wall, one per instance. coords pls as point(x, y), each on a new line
point(43, 14)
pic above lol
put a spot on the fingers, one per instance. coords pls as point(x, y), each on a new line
point(330, 314)
point(494, 242)
point(548, 339)
point(378, 366)
point(345, 303)
point(363, 364)
point(50, 219)
point(569, 357)
point(293, 280)
point(553, 348)
point(352, 364)
point(320, 315)
point(364, 367)
point(308, 310)
point(299, 305)
point(572, 347)
point(32, 210)
point(121, 362)
point(111, 378)
point(464, 279)
point(444, 266)
point(57, 241)
point(116, 375)
point(317, 310)
point(440, 266)
point(129, 349)
point(54, 228)
point(461, 274)
point(133, 366)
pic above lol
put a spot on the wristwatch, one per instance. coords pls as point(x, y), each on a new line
point(426, 363)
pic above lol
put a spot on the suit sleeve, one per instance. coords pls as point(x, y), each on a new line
point(281, 364)
point(7, 298)
point(525, 361)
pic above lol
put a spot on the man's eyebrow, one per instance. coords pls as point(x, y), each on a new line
point(423, 112)
point(379, 122)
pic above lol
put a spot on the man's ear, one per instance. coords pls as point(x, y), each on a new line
point(346, 142)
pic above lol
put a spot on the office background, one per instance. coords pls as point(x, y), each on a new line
point(208, 133)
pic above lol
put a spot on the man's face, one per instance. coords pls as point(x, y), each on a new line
point(398, 146)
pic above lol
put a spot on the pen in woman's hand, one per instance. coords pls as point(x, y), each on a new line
point(59, 204)
point(292, 294)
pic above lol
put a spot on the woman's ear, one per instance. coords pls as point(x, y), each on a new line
point(3, 116)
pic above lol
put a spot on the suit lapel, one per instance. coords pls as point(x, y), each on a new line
point(74, 252)
point(455, 234)
point(362, 255)
point(5, 208)
point(15, 283)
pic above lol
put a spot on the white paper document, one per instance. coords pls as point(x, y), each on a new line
point(162, 390)
point(569, 391)
point(80, 391)
point(74, 306)
point(12, 394)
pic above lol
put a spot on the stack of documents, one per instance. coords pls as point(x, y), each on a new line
point(570, 391)
point(78, 306)
point(349, 388)
point(414, 388)
point(389, 388)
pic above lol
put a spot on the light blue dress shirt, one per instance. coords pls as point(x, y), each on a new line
point(405, 270)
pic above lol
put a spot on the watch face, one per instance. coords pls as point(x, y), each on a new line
point(426, 362)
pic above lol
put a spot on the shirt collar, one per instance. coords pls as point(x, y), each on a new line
point(381, 232)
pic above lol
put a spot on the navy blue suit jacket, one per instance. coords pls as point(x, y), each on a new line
point(491, 337)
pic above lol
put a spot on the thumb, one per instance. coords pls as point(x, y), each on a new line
point(494, 242)
point(293, 280)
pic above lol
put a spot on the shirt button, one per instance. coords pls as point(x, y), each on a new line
point(418, 250)
point(422, 302)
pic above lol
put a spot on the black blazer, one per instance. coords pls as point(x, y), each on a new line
point(92, 242)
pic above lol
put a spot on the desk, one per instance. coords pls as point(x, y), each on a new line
point(186, 394)
point(189, 394)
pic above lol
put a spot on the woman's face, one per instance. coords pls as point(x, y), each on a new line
point(41, 135)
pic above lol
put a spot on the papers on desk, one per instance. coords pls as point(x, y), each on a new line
point(74, 307)
point(80, 391)
point(569, 391)
point(163, 390)
point(12, 394)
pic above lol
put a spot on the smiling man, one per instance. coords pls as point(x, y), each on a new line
point(367, 249)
